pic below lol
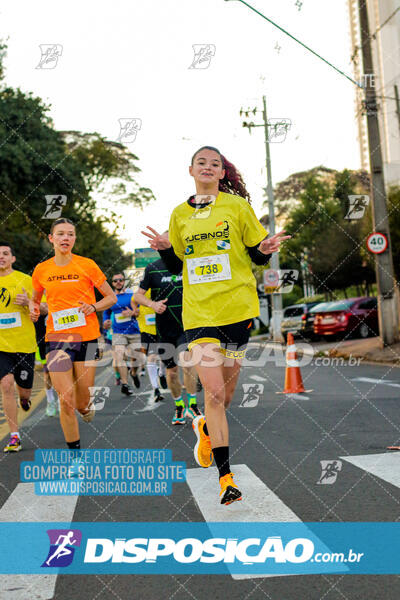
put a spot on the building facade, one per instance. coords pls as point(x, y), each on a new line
point(384, 28)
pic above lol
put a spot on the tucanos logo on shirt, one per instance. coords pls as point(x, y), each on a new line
point(222, 232)
point(189, 250)
point(223, 244)
point(5, 296)
point(63, 277)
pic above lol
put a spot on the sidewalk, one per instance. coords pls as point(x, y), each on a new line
point(369, 349)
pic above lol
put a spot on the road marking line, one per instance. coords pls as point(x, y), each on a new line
point(298, 396)
point(24, 506)
point(259, 503)
point(151, 405)
point(257, 378)
point(386, 466)
point(381, 381)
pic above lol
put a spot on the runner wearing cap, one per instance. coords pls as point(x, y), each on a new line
point(126, 334)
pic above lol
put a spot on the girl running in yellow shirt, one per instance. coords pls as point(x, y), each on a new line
point(215, 235)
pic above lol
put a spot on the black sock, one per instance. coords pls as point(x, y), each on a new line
point(205, 429)
point(74, 445)
point(221, 457)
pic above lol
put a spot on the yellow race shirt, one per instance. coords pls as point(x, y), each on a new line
point(219, 287)
point(17, 332)
point(147, 318)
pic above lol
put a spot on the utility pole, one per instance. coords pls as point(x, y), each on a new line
point(276, 316)
point(388, 303)
point(396, 94)
point(276, 298)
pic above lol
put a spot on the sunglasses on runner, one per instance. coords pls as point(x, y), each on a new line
point(119, 279)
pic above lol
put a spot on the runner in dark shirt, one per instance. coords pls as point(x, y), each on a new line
point(166, 301)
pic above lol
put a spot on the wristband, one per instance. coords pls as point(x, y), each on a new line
point(94, 307)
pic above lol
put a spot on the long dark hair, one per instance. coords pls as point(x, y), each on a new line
point(233, 182)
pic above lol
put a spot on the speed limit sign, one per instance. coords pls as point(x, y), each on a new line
point(377, 243)
point(271, 280)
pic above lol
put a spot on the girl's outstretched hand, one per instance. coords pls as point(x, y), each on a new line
point(272, 244)
point(157, 241)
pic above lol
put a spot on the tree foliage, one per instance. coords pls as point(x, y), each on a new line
point(36, 160)
point(316, 220)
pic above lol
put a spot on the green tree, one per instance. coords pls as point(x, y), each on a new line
point(36, 160)
point(394, 224)
point(316, 222)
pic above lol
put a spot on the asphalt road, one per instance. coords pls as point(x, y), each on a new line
point(351, 411)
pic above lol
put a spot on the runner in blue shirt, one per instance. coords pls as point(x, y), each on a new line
point(126, 333)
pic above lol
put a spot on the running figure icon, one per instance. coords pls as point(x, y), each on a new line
point(62, 549)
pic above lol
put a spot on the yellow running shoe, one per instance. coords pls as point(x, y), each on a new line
point(229, 490)
point(203, 454)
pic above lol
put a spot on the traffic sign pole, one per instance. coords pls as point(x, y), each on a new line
point(388, 296)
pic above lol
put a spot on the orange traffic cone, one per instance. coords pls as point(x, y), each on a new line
point(293, 379)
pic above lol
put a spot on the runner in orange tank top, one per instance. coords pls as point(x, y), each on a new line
point(72, 327)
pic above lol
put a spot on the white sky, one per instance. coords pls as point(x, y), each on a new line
point(131, 58)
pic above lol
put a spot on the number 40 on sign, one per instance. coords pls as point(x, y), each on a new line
point(377, 243)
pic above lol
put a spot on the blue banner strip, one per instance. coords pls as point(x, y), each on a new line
point(200, 548)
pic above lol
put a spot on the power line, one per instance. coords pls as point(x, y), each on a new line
point(384, 23)
point(298, 41)
point(373, 35)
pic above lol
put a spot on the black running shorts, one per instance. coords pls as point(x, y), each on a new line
point(232, 338)
point(149, 342)
point(71, 352)
point(19, 364)
point(169, 348)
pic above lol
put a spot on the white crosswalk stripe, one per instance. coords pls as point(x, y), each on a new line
point(386, 466)
point(24, 506)
point(259, 503)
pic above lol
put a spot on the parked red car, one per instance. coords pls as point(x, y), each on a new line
point(356, 317)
